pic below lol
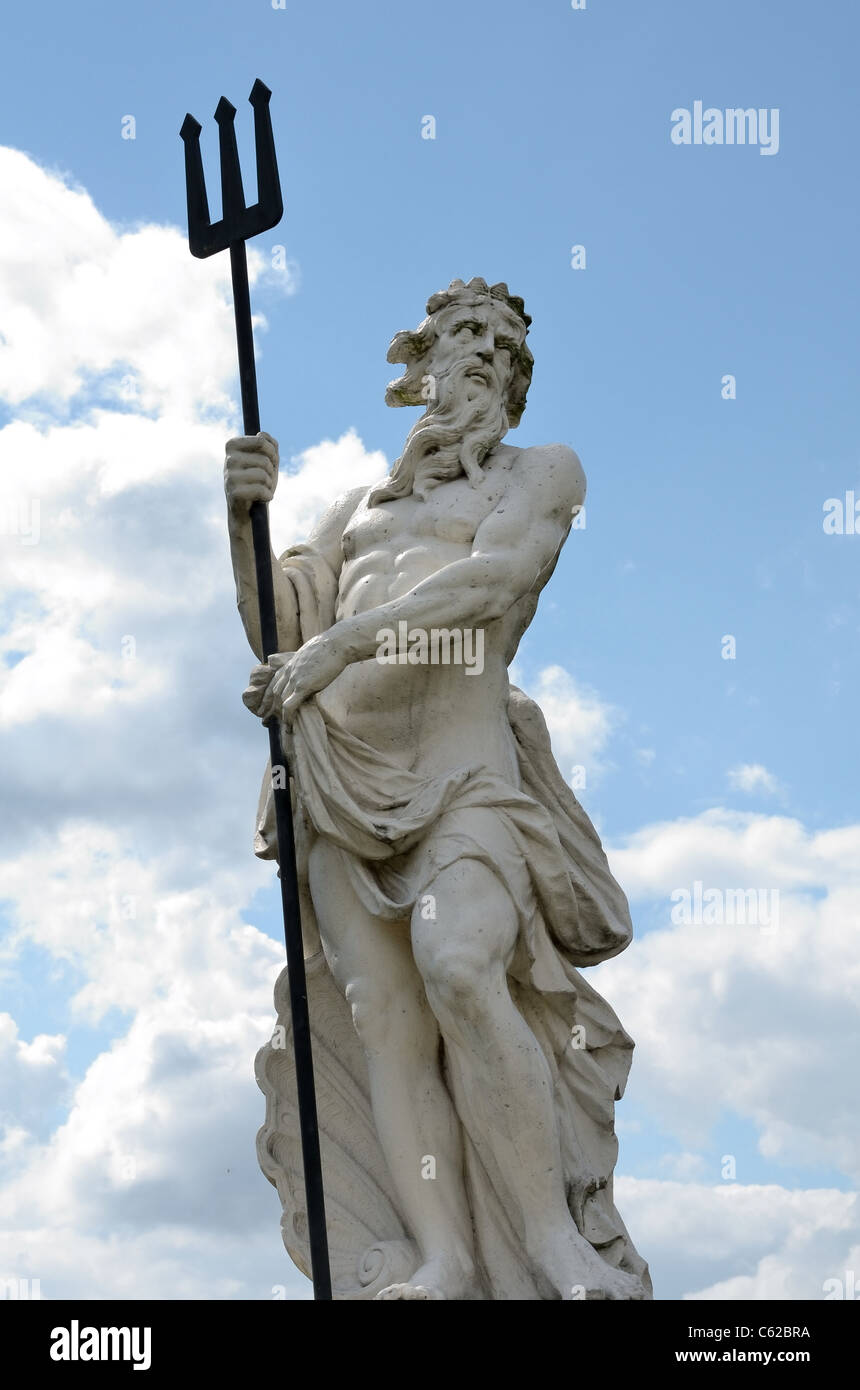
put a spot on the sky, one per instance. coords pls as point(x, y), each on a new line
point(696, 652)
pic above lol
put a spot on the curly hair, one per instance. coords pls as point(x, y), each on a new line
point(412, 346)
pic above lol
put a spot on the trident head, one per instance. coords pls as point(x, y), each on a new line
point(238, 222)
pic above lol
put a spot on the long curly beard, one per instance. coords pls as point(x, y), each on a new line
point(451, 439)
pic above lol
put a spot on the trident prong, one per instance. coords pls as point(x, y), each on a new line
point(237, 224)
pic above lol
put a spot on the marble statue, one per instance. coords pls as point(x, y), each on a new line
point(452, 885)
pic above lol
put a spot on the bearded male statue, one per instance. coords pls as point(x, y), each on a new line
point(451, 883)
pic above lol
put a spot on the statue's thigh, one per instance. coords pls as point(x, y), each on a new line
point(467, 917)
point(358, 946)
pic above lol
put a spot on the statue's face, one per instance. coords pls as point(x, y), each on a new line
point(481, 340)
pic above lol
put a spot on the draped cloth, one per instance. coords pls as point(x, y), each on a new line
point(571, 913)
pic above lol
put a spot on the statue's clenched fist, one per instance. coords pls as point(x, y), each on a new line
point(250, 471)
point(290, 678)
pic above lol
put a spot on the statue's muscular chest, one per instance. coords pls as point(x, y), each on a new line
point(442, 525)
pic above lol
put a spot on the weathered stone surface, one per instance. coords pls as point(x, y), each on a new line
point(453, 886)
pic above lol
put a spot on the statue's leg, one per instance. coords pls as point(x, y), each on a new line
point(508, 1107)
point(415, 1120)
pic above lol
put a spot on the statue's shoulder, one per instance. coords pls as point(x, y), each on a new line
point(326, 536)
point(349, 502)
point(343, 509)
point(555, 470)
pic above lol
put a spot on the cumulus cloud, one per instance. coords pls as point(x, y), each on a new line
point(81, 301)
point(742, 1241)
point(114, 553)
point(579, 722)
point(33, 1081)
point(746, 1016)
point(724, 846)
point(313, 480)
point(132, 764)
point(159, 1131)
point(133, 769)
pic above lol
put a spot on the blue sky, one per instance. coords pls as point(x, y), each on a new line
point(704, 515)
point(553, 129)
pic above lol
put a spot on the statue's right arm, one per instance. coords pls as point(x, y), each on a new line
point(251, 475)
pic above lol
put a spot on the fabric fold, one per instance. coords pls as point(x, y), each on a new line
point(571, 911)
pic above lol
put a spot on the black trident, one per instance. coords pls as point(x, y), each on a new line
point(238, 224)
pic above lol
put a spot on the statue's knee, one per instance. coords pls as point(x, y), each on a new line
point(371, 1006)
point(455, 976)
point(462, 950)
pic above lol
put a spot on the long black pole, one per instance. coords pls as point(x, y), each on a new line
point(283, 810)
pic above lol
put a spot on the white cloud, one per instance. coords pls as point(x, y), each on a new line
point(753, 778)
point(132, 764)
point(33, 1081)
point(80, 300)
point(158, 1139)
point(737, 1019)
point(134, 779)
point(698, 1239)
point(315, 479)
point(683, 1166)
point(724, 846)
point(579, 722)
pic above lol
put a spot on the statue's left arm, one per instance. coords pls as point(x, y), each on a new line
point(513, 554)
